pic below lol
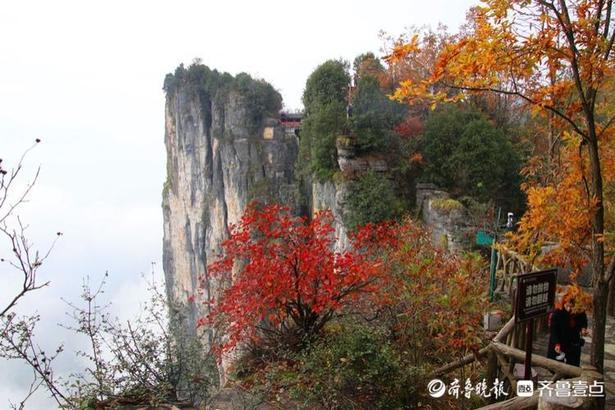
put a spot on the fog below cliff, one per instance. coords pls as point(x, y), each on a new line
point(87, 80)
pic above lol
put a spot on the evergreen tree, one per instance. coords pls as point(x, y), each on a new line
point(467, 155)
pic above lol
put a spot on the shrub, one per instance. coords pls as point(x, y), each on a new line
point(438, 298)
point(352, 365)
point(288, 281)
point(148, 361)
point(357, 365)
point(371, 198)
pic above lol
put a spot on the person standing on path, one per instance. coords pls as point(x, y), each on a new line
point(567, 325)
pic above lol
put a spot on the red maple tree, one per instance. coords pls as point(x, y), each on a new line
point(287, 281)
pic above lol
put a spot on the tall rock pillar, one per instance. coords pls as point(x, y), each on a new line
point(224, 149)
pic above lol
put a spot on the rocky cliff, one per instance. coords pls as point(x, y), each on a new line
point(224, 148)
point(446, 218)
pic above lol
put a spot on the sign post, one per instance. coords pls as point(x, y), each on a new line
point(493, 259)
point(529, 334)
point(535, 298)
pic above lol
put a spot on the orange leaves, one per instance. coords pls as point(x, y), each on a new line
point(518, 47)
point(411, 61)
point(582, 299)
point(440, 295)
point(560, 212)
point(401, 51)
point(558, 61)
point(417, 158)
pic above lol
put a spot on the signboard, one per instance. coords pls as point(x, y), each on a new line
point(535, 294)
point(483, 239)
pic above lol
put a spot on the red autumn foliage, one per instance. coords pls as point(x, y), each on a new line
point(287, 281)
point(437, 298)
point(410, 128)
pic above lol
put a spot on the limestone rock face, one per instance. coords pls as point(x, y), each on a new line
point(353, 165)
point(445, 217)
point(331, 195)
point(220, 156)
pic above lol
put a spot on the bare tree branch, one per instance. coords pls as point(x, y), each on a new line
point(23, 258)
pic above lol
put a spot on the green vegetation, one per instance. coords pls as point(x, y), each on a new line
point(371, 198)
point(374, 116)
point(353, 363)
point(367, 64)
point(260, 97)
point(467, 155)
point(358, 361)
point(447, 205)
point(327, 84)
point(318, 135)
point(324, 99)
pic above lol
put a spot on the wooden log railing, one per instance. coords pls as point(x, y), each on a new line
point(537, 361)
point(500, 363)
point(587, 374)
point(508, 264)
point(503, 350)
point(501, 335)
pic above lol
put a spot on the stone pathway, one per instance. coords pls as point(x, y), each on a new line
point(540, 347)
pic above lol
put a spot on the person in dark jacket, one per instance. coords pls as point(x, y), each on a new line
point(567, 326)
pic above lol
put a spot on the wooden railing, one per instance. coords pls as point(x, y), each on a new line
point(501, 358)
point(509, 264)
point(503, 352)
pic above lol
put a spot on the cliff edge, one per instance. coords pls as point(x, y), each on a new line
point(225, 147)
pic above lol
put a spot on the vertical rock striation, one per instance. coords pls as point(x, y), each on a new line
point(332, 196)
point(224, 148)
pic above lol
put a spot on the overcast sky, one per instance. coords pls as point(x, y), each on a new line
point(85, 77)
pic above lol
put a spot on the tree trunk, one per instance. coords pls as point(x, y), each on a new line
point(611, 303)
point(599, 283)
point(598, 327)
